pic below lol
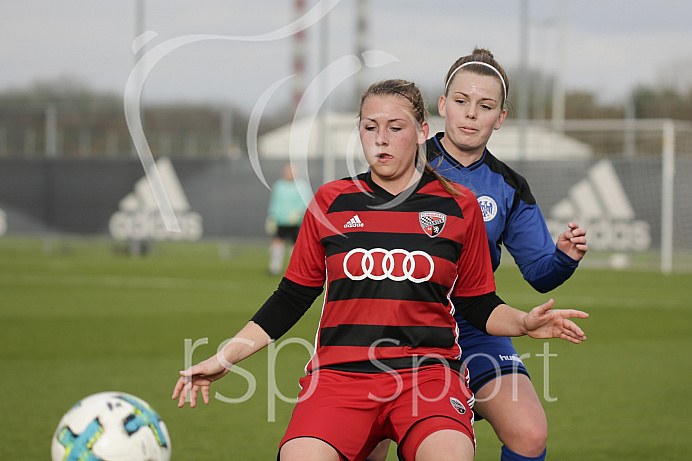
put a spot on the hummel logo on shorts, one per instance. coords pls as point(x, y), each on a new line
point(354, 222)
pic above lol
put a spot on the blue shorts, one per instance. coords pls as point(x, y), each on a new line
point(487, 357)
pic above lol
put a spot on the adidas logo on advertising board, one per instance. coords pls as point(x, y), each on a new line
point(354, 222)
point(599, 203)
point(139, 217)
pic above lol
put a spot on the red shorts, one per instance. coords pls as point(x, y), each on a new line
point(353, 412)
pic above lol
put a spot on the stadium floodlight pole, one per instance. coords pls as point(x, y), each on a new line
point(299, 55)
point(51, 131)
point(325, 150)
point(226, 123)
point(630, 136)
point(139, 54)
point(539, 81)
point(558, 118)
point(523, 93)
point(362, 41)
point(139, 26)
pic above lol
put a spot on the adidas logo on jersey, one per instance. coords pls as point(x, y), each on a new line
point(354, 222)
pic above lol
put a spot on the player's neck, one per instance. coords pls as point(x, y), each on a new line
point(464, 157)
point(395, 186)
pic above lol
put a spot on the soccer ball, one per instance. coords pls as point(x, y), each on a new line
point(111, 426)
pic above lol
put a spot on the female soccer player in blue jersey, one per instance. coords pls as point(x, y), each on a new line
point(387, 359)
point(473, 104)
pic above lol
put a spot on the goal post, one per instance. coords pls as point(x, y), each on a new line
point(667, 196)
point(633, 191)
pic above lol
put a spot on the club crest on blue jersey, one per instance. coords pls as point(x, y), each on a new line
point(432, 222)
point(488, 207)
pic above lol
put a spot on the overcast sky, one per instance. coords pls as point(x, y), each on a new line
point(610, 45)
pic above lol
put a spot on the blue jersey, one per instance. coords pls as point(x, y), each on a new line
point(511, 216)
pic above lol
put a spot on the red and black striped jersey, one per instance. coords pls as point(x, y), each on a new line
point(391, 266)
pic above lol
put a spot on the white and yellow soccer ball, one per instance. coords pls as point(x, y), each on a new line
point(111, 426)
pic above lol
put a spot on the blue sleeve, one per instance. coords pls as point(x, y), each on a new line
point(528, 240)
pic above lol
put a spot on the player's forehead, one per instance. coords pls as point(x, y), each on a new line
point(386, 107)
point(469, 81)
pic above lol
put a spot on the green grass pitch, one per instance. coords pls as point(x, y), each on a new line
point(77, 317)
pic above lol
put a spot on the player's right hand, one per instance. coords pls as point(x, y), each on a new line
point(198, 378)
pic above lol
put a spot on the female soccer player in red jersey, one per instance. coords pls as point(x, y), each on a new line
point(399, 250)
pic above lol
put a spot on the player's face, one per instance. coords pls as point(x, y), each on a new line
point(390, 137)
point(472, 110)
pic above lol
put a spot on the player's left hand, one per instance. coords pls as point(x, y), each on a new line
point(573, 241)
point(542, 322)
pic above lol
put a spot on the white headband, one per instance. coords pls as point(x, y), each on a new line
point(504, 87)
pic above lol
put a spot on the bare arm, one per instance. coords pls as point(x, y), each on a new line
point(198, 377)
point(540, 322)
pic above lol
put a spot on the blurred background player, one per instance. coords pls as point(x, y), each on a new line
point(287, 206)
point(386, 341)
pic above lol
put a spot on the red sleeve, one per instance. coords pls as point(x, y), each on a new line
point(307, 266)
point(474, 269)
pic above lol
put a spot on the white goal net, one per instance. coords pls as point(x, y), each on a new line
point(633, 191)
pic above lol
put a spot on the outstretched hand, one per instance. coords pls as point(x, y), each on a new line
point(542, 322)
point(573, 241)
point(198, 378)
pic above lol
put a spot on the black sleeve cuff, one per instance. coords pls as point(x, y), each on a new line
point(285, 307)
point(477, 309)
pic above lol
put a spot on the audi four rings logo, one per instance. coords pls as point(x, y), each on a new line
point(397, 265)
